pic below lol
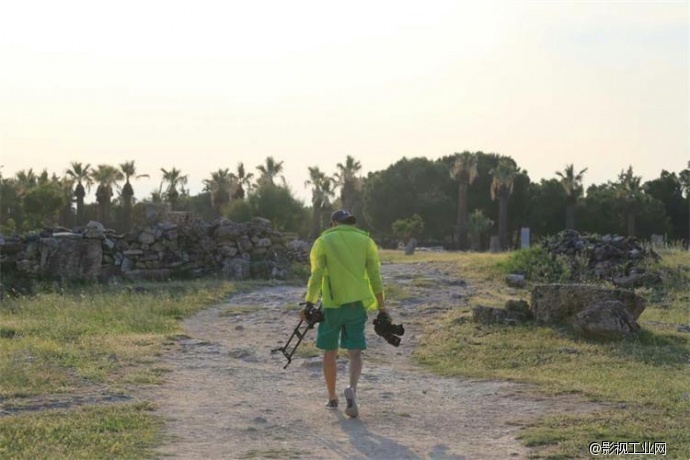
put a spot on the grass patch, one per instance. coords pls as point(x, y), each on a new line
point(117, 431)
point(101, 335)
point(62, 340)
point(561, 436)
point(647, 376)
point(396, 292)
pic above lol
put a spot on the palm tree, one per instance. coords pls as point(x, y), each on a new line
point(629, 190)
point(316, 180)
point(220, 187)
point(685, 182)
point(129, 170)
point(327, 193)
point(501, 189)
point(477, 224)
point(82, 174)
point(572, 184)
point(243, 181)
point(173, 178)
point(66, 185)
point(269, 171)
point(464, 171)
point(346, 178)
point(26, 180)
point(106, 176)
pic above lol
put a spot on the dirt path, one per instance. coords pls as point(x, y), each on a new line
point(228, 397)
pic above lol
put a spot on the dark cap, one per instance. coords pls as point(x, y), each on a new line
point(342, 216)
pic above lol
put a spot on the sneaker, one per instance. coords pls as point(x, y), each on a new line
point(331, 404)
point(351, 409)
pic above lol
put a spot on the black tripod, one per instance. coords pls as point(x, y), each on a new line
point(313, 315)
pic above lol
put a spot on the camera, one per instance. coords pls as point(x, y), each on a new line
point(312, 313)
point(384, 327)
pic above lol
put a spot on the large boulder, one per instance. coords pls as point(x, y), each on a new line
point(70, 259)
point(559, 303)
point(515, 312)
point(609, 318)
point(236, 269)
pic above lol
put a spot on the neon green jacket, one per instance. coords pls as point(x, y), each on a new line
point(345, 268)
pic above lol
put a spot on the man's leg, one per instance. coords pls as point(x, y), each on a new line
point(355, 367)
point(330, 372)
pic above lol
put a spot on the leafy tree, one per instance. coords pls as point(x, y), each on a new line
point(269, 171)
point(411, 186)
point(348, 181)
point(171, 181)
point(82, 174)
point(42, 204)
point(328, 193)
point(316, 180)
point(501, 189)
point(477, 225)
point(685, 181)
point(572, 184)
point(479, 191)
point(240, 211)
point(243, 180)
point(278, 205)
point(464, 171)
point(412, 227)
point(26, 180)
point(129, 170)
point(629, 190)
point(11, 209)
point(106, 176)
point(220, 187)
point(668, 189)
point(547, 199)
point(604, 212)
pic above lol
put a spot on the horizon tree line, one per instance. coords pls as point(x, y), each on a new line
point(30, 199)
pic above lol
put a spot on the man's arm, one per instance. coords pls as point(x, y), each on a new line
point(380, 302)
point(374, 273)
point(318, 266)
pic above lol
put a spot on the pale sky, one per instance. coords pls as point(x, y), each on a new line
point(201, 85)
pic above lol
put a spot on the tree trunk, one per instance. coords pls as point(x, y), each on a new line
point(570, 216)
point(315, 222)
point(631, 223)
point(127, 194)
point(172, 198)
point(127, 213)
point(503, 222)
point(80, 193)
point(103, 199)
point(462, 216)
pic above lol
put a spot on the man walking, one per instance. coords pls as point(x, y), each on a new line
point(345, 270)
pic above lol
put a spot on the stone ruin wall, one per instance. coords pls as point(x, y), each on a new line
point(158, 251)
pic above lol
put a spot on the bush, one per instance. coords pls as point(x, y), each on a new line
point(536, 264)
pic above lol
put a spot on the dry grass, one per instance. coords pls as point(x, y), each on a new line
point(646, 376)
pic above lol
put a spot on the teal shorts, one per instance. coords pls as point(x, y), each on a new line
point(344, 324)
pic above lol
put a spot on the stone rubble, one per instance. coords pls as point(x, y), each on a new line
point(158, 251)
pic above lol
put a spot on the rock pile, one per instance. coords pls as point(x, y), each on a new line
point(589, 310)
point(611, 257)
point(159, 251)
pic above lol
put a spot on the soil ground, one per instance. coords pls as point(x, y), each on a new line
point(227, 396)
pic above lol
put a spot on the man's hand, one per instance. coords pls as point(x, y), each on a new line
point(383, 316)
point(311, 314)
point(306, 311)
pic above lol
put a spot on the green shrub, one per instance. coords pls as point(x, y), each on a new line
point(536, 264)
